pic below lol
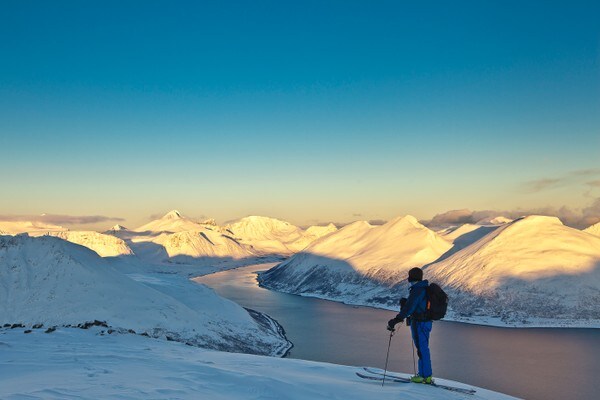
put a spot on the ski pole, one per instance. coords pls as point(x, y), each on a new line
point(387, 357)
point(414, 363)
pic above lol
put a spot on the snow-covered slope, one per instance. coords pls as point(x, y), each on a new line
point(594, 229)
point(82, 364)
point(268, 235)
point(51, 281)
point(317, 231)
point(104, 245)
point(206, 242)
point(32, 227)
point(358, 260)
point(171, 222)
point(464, 235)
point(534, 267)
point(177, 239)
point(500, 220)
point(115, 229)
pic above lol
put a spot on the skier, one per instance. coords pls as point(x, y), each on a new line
point(415, 309)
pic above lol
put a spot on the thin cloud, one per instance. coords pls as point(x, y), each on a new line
point(595, 183)
point(577, 218)
point(340, 225)
point(585, 172)
point(459, 217)
point(591, 214)
point(57, 219)
point(591, 188)
point(541, 184)
point(572, 177)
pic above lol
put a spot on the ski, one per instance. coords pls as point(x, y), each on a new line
point(379, 379)
point(397, 378)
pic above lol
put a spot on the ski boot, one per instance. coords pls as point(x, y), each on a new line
point(420, 379)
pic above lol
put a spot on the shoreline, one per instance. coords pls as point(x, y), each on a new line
point(486, 321)
point(271, 323)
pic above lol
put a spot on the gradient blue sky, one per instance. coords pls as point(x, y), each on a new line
point(308, 111)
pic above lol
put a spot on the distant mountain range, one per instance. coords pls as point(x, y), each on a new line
point(31, 227)
point(530, 271)
point(177, 239)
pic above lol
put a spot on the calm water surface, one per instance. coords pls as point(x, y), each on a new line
point(528, 363)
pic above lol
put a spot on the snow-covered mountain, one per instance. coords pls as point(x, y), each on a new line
point(358, 260)
point(104, 245)
point(522, 272)
point(31, 227)
point(116, 228)
point(175, 238)
point(534, 267)
point(54, 282)
point(463, 235)
point(269, 235)
point(594, 229)
point(206, 242)
point(171, 222)
point(500, 220)
point(317, 231)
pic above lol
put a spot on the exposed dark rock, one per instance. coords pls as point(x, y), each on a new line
point(95, 322)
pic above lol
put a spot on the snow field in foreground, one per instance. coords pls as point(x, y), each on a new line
point(77, 364)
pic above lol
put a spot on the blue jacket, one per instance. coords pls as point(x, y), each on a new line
point(416, 305)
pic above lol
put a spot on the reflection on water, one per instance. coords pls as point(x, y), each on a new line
point(528, 363)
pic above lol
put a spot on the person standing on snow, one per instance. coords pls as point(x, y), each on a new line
point(415, 308)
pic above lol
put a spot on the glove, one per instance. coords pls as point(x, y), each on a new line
point(392, 323)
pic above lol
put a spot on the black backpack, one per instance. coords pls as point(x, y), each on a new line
point(437, 302)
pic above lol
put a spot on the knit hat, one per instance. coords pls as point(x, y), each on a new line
point(415, 275)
